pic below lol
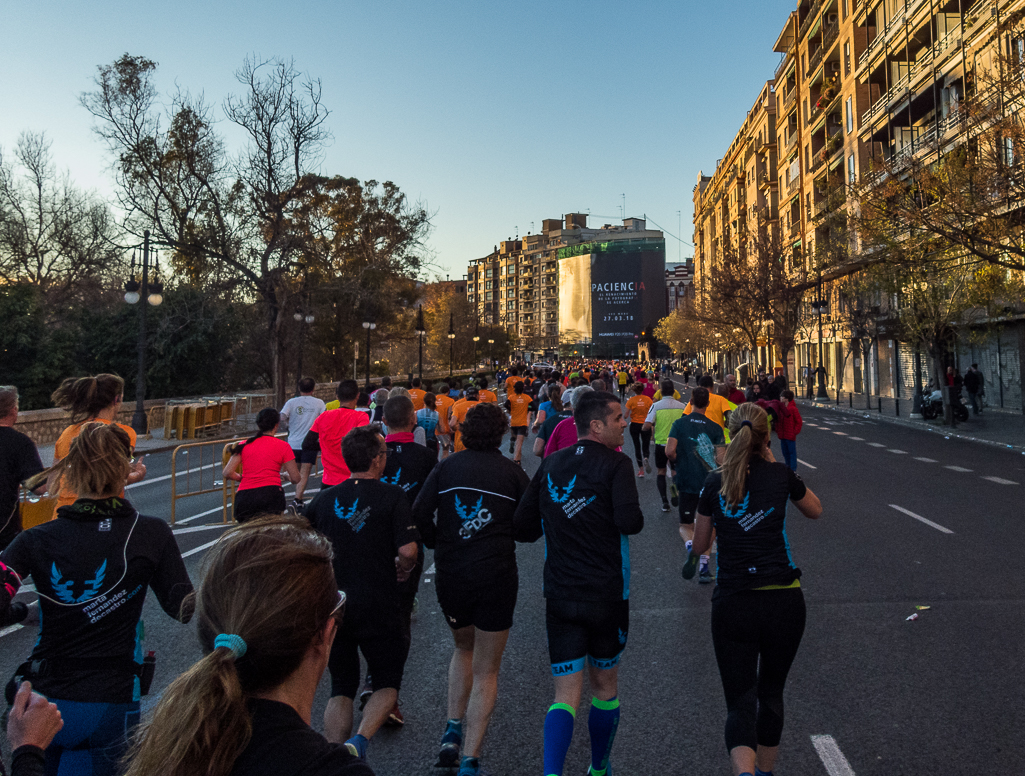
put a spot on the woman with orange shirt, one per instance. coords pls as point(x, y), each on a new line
point(444, 404)
point(519, 405)
point(89, 400)
point(638, 406)
point(459, 410)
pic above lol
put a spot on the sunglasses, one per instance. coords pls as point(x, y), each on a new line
point(339, 609)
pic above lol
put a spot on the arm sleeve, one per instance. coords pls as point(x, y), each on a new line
point(650, 417)
point(706, 506)
point(170, 581)
point(795, 486)
point(311, 446)
point(10, 611)
point(402, 521)
point(424, 507)
point(28, 760)
point(29, 464)
point(527, 519)
point(626, 505)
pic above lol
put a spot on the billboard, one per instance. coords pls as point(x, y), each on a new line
point(613, 293)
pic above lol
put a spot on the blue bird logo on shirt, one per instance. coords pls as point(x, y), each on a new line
point(622, 636)
point(468, 513)
point(63, 589)
point(554, 490)
point(741, 509)
point(395, 480)
point(355, 519)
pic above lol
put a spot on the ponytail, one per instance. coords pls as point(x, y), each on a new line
point(555, 397)
point(266, 420)
point(87, 397)
point(271, 583)
point(749, 430)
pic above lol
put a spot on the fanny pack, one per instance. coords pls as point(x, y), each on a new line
point(34, 669)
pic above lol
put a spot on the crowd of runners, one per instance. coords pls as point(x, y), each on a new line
point(302, 588)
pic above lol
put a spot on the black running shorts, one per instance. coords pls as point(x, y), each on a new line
point(595, 630)
point(688, 507)
point(487, 607)
point(383, 645)
point(661, 461)
point(518, 431)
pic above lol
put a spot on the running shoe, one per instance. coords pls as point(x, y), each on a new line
point(512, 447)
point(640, 472)
point(705, 576)
point(647, 466)
point(297, 507)
point(365, 693)
point(608, 770)
point(395, 718)
point(690, 566)
point(357, 745)
point(665, 507)
point(674, 494)
point(448, 755)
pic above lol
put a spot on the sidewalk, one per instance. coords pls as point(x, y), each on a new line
point(157, 444)
point(1003, 428)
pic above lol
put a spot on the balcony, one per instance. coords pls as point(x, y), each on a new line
point(793, 186)
point(792, 139)
point(828, 37)
point(891, 94)
point(766, 180)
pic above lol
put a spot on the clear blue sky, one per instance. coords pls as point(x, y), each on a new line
point(495, 115)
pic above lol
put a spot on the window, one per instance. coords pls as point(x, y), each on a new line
point(847, 57)
point(489, 273)
point(1007, 151)
point(487, 284)
point(850, 114)
point(488, 296)
point(846, 11)
point(852, 176)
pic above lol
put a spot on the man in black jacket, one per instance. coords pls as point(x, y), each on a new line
point(584, 501)
point(973, 383)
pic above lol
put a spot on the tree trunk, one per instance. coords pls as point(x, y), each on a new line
point(936, 351)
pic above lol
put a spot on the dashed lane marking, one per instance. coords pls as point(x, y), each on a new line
point(200, 548)
point(926, 460)
point(840, 433)
point(202, 528)
point(857, 439)
point(875, 444)
point(10, 629)
point(925, 520)
point(957, 469)
point(168, 476)
point(1000, 481)
point(831, 756)
point(805, 463)
point(429, 571)
point(898, 452)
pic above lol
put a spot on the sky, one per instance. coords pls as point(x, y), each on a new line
point(495, 116)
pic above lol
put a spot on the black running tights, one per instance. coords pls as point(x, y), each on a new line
point(642, 442)
point(756, 634)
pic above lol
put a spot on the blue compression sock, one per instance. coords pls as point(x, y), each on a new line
point(469, 766)
point(601, 724)
point(558, 734)
point(760, 772)
point(358, 746)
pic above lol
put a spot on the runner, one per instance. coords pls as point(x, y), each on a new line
point(428, 419)
point(696, 445)
point(325, 437)
point(475, 494)
point(262, 458)
point(622, 377)
point(565, 432)
point(638, 406)
point(519, 406)
point(370, 525)
point(719, 408)
point(483, 393)
point(268, 611)
point(583, 500)
point(299, 413)
point(445, 404)
point(512, 379)
point(558, 413)
point(758, 611)
point(90, 400)
point(658, 422)
point(658, 393)
point(19, 461)
point(416, 394)
point(92, 567)
point(459, 410)
point(553, 390)
point(734, 394)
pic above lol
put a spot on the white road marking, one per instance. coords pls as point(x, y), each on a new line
point(857, 439)
point(957, 468)
point(898, 452)
point(1000, 481)
point(10, 629)
point(840, 433)
point(168, 476)
point(201, 528)
point(429, 571)
point(200, 548)
point(875, 444)
point(831, 756)
point(196, 517)
point(805, 463)
point(926, 460)
point(928, 522)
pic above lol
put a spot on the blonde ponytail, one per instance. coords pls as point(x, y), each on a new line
point(749, 429)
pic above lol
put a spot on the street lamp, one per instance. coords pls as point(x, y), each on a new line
point(476, 339)
point(134, 293)
point(369, 325)
point(420, 332)
point(491, 353)
point(303, 321)
point(451, 342)
point(820, 306)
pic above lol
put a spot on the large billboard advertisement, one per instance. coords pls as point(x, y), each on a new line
point(611, 295)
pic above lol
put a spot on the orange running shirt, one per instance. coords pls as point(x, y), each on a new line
point(638, 407)
point(444, 403)
point(63, 447)
point(416, 395)
point(519, 409)
point(488, 396)
point(459, 415)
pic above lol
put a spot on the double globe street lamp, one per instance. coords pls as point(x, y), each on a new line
point(421, 330)
point(303, 321)
point(369, 325)
point(136, 291)
point(451, 342)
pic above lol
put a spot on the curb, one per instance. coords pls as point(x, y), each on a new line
point(908, 423)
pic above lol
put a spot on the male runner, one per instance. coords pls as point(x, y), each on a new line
point(416, 394)
point(299, 413)
point(519, 406)
point(459, 410)
point(370, 525)
point(696, 445)
point(325, 437)
point(584, 501)
point(659, 421)
point(444, 404)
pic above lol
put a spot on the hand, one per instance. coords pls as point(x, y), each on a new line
point(402, 574)
point(138, 472)
point(33, 720)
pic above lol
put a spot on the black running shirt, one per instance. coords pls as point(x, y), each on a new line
point(408, 466)
point(91, 603)
point(584, 500)
point(752, 537)
point(366, 521)
point(475, 494)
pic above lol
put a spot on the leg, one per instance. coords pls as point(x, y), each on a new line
point(567, 649)
point(646, 442)
point(603, 720)
point(304, 477)
point(518, 454)
point(460, 672)
point(661, 463)
point(343, 666)
point(736, 652)
point(635, 435)
point(376, 711)
point(338, 719)
point(781, 629)
point(487, 659)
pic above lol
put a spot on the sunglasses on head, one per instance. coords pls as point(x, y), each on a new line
point(339, 609)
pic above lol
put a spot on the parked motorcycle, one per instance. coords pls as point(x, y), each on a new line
point(932, 405)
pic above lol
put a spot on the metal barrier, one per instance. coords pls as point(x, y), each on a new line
point(202, 472)
point(35, 509)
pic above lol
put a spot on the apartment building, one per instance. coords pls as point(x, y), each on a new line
point(859, 83)
point(679, 287)
point(516, 286)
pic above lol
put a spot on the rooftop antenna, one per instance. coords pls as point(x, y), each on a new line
point(679, 231)
point(624, 206)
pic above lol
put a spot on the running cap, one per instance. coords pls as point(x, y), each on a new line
point(233, 642)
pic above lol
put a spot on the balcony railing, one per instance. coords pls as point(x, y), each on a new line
point(793, 185)
point(880, 40)
point(792, 139)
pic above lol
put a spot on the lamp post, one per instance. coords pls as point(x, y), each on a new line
point(820, 304)
point(152, 293)
point(491, 353)
point(420, 332)
point(303, 321)
point(451, 342)
point(476, 339)
point(866, 349)
point(369, 325)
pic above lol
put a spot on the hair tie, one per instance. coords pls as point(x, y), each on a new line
point(747, 423)
point(235, 643)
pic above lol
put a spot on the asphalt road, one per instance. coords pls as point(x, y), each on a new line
point(909, 519)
